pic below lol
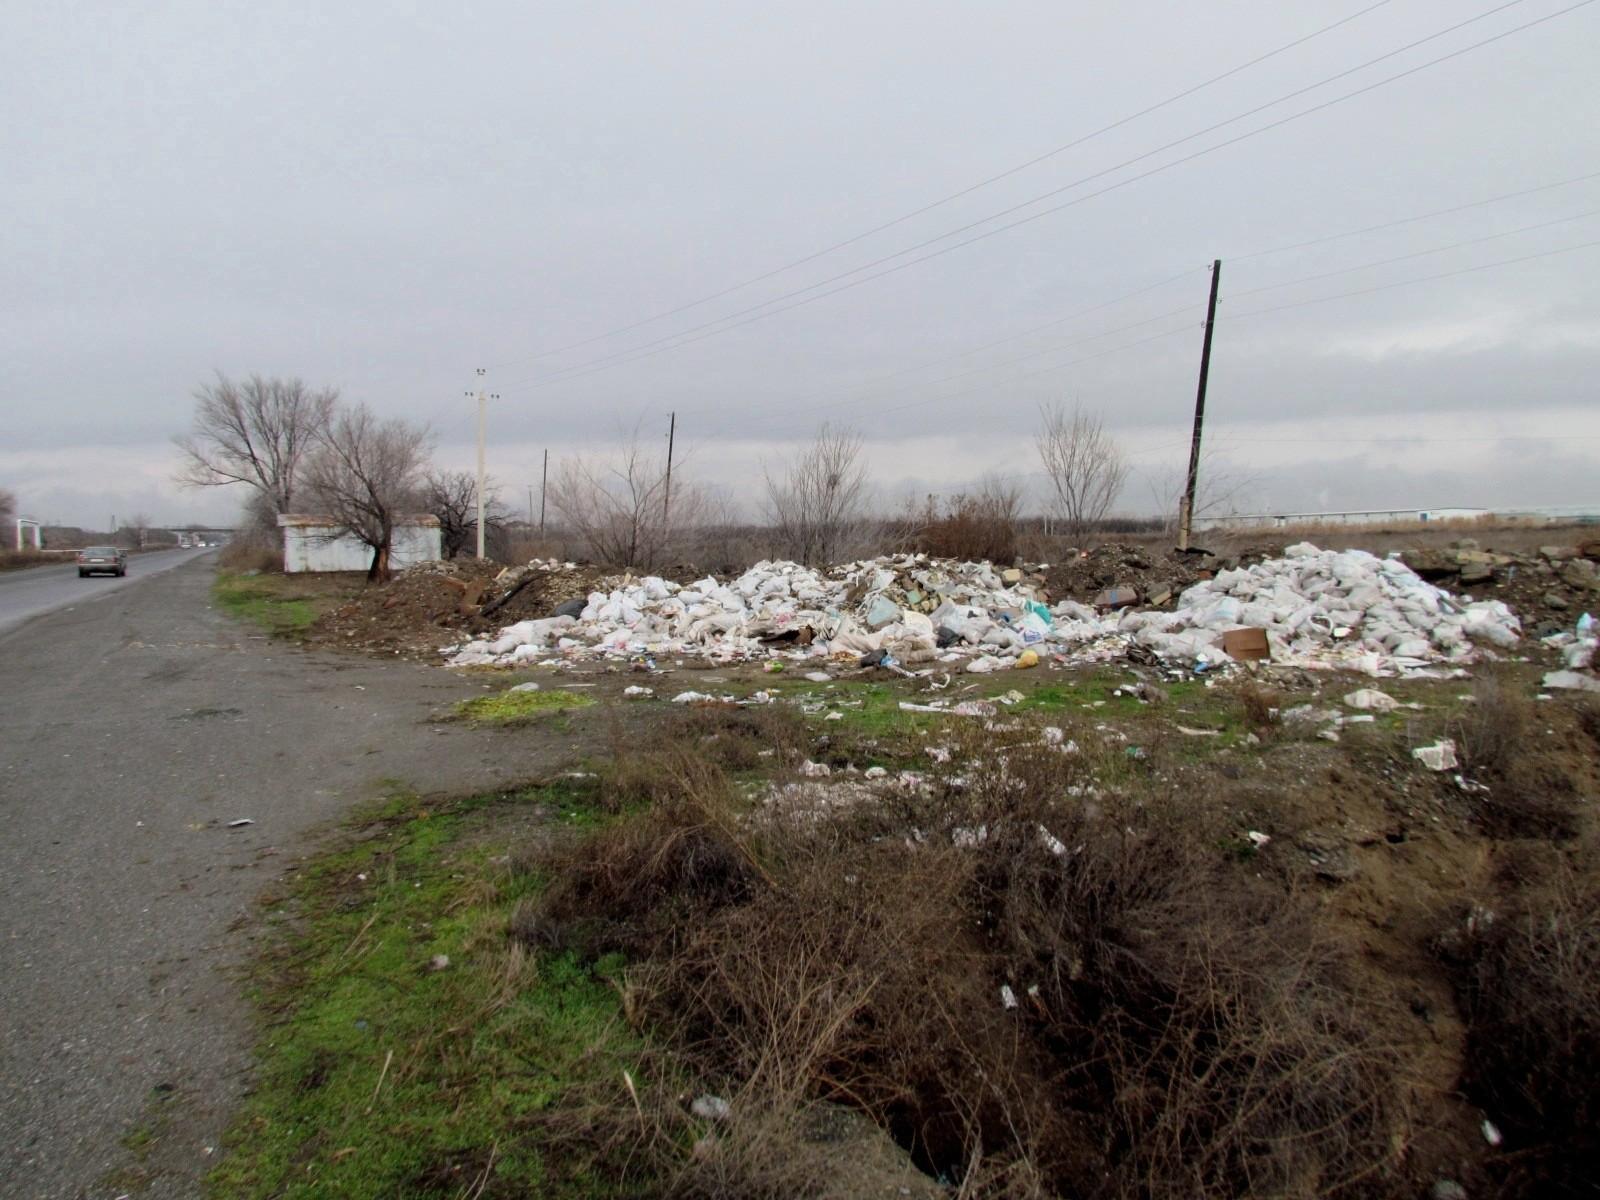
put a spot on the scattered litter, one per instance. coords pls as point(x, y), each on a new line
point(1491, 1132)
point(1257, 838)
point(694, 698)
point(815, 770)
point(1572, 681)
point(525, 687)
point(1008, 998)
point(1371, 699)
point(1441, 756)
point(711, 1108)
point(238, 823)
point(439, 962)
point(1187, 732)
point(819, 677)
point(635, 692)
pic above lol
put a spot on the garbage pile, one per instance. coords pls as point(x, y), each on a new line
point(1579, 647)
point(1317, 608)
point(1544, 585)
point(1322, 608)
point(902, 611)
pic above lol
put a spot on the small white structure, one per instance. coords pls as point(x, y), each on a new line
point(316, 543)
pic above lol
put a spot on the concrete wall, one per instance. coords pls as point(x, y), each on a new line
point(315, 548)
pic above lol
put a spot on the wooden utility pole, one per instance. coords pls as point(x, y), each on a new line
point(666, 500)
point(544, 482)
point(1186, 508)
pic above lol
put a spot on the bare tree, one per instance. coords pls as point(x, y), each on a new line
point(8, 506)
point(452, 496)
point(816, 505)
point(1085, 467)
point(256, 432)
point(1223, 488)
point(135, 531)
point(619, 508)
point(365, 474)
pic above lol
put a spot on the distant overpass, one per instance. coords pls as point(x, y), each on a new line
point(199, 535)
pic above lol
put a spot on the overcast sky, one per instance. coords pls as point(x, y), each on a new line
point(383, 198)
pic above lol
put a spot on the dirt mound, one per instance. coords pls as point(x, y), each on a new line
point(433, 604)
point(1157, 575)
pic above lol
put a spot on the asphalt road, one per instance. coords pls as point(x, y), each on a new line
point(132, 730)
point(35, 590)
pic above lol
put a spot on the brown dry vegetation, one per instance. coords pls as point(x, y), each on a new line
point(1192, 1018)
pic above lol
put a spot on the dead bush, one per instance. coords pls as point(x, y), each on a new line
point(1529, 984)
point(1530, 792)
point(1262, 706)
point(1039, 985)
point(972, 526)
point(252, 554)
point(726, 737)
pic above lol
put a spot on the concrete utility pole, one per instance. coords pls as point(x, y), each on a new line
point(666, 502)
point(1186, 508)
point(483, 417)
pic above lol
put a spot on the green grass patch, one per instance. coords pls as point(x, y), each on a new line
point(512, 707)
point(271, 601)
point(380, 1076)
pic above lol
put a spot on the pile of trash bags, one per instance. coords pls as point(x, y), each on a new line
point(1318, 608)
point(1326, 608)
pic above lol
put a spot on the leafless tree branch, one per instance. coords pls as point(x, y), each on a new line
point(256, 432)
point(1085, 467)
point(365, 475)
point(815, 506)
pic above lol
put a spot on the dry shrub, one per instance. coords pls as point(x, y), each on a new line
point(1262, 706)
point(252, 554)
point(1530, 792)
point(1180, 1028)
point(1529, 985)
point(975, 527)
point(723, 736)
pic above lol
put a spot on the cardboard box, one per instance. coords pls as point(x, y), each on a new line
point(1245, 645)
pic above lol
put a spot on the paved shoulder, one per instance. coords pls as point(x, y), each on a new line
point(134, 730)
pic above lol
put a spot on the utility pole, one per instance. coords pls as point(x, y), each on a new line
point(530, 506)
point(1186, 509)
point(483, 417)
point(666, 502)
point(544, 482)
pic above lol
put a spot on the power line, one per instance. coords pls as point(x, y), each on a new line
point(1384, 262)
point(679, 340)
point(956, 195)
point(1383, 287)
point(855, 398)
point(1441, 212)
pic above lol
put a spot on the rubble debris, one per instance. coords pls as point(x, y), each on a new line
point(1441, 756)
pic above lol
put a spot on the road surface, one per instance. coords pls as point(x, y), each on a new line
point(132, 730)
point(34, 590)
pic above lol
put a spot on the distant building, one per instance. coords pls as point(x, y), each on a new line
point(316, 543)
point(1371, 516)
